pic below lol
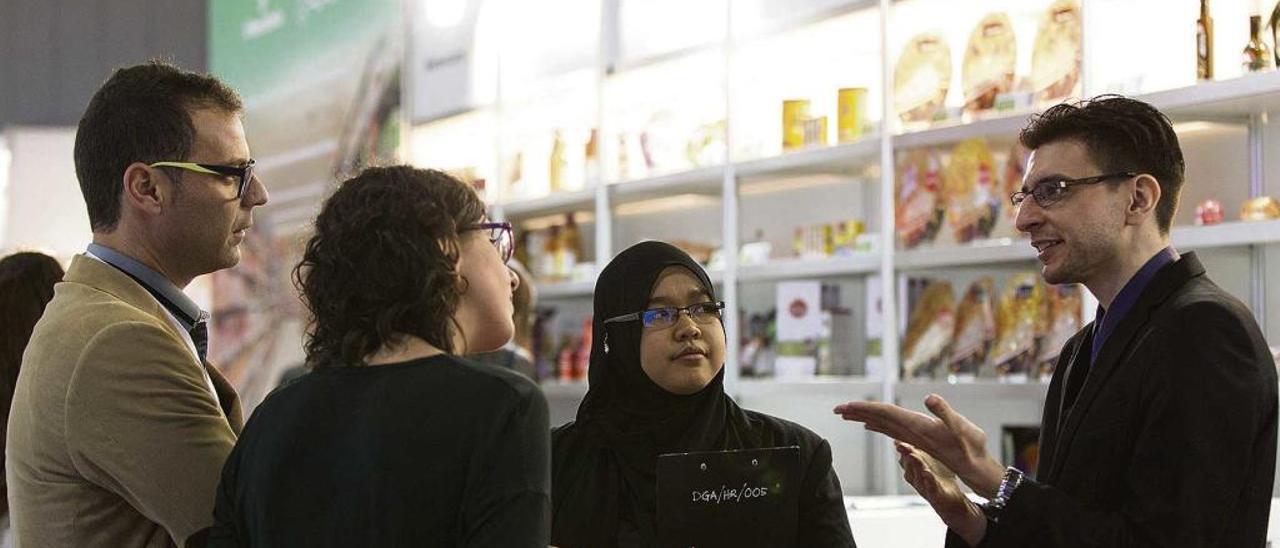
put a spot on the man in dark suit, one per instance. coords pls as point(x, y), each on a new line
point(1160, 422)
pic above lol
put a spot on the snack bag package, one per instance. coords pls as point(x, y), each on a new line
point(970, 189)
point(1055, 57)
point(975, 331)
point(1062, 313)
point(989, 61)
point(922, 78)
point(1018, 325)
point(919, 207)
point(929, 331)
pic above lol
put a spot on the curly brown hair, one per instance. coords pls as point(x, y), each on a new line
point(383, 263)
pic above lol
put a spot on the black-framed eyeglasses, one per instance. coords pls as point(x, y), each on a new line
point(658, 318)
point(243, 173)
point(501, 236)
point(1051, 192)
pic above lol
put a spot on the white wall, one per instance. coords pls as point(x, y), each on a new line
point(41, 207)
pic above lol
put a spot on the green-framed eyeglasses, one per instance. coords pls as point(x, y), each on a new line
point(243, 173)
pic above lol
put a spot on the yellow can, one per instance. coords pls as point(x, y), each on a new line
point(852, 104)
point(794, 114)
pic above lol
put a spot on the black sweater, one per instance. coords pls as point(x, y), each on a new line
point(429, 452)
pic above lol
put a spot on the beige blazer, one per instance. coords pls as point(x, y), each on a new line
point(114, 439)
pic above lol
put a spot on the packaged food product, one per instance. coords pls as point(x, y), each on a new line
point(851, 113)
point(1018, 323)
point(794, 114)
point(1015, 167)
point(1209, 212)
point(975, 330)
point(1265, 208)
point(919, 208)
point(1055, 57)
point(988, 62)
point(929, 331)
point(1062, 311)
point(970, 190)
point(922, 77)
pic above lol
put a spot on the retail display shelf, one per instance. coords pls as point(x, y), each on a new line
point(855, 384)
point(1227, 100)
point(863, 263)
point(996, 250)
point(1239, 233)
point(560, 202)
point(1007, 250)
point(1236, 98)
point(913, 393)
point(566, 290)
point(564, 389)
point(837, 159)
point(703, 180)
point(1006, 126)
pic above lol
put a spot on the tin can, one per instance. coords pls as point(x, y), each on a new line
point(852, 106)
point(794, 114)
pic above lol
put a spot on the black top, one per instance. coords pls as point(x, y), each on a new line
point(429, 452)
point(605, 463)
point(1172, 438)
point(823, 519)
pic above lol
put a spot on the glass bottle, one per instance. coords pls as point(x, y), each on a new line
point(1256, 55)
point(1204, 43)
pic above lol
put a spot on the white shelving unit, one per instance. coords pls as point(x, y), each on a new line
point(1240, 101)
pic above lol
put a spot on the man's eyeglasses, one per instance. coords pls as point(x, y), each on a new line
point(243, 174)
point(500, 235)
point(1051, 192)
point(658, 318)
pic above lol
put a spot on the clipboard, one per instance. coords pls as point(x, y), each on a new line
point(748, 497)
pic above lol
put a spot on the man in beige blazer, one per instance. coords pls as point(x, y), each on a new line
point(119, 427)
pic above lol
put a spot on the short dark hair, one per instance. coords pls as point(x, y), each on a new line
point(383, 261)
point(141, 114)
point(1121, 134)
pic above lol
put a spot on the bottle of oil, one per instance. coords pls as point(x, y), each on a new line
point(1204, 43)
point(1256, 54)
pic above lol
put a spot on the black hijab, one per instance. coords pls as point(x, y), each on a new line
point(604, 463)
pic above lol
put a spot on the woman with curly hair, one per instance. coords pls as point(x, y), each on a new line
point(393, 440)
point(26, 286)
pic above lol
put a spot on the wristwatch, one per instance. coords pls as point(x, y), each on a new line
point(1012, 479)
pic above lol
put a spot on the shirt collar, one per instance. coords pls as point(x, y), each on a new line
point(178, 303)
point(1108, 319)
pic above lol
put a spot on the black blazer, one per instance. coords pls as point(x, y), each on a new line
point(1171, 440)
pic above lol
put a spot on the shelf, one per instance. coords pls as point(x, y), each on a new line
point(837, 159)
point(753, 391)
point(564, 389)
point(566, 290)
point(1010, 250)
point(704, 180)
point(998, 250)
point(1006, 126)
point(914, 392)
point(1236, 98)
point(1240, 233)
point(865, 263)
point(560, 202)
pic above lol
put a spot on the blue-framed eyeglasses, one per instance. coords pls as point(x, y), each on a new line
point(658, 318)
point(500, 235)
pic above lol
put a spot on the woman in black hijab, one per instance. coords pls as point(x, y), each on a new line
point(659, 389)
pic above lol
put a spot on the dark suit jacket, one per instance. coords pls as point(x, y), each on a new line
point(1172, 438)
